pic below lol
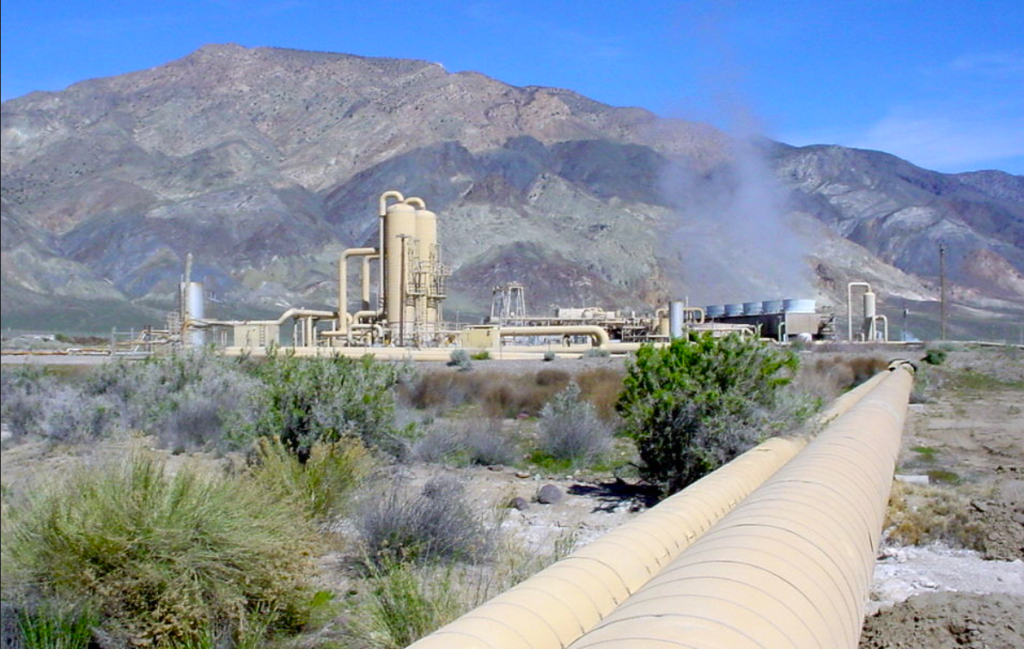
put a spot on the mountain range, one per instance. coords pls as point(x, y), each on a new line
point(265, 163)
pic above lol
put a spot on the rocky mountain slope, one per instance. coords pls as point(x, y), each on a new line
point(265, 163)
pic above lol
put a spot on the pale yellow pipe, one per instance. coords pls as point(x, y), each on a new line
point(558, 605)
point(599, 334)
point(365, 279)
point(382, 211)
point(791, 566)
point(343, 281)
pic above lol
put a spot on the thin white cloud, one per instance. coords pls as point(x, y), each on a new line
point(995, 64)
point(945, 141)
point(970, 114)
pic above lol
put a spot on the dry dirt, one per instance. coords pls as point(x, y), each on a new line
point(969, 431)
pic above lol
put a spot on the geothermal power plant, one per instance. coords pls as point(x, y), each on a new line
point(399, 310)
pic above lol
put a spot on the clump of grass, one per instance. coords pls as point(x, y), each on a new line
point(549, 356)
point(570, 429)
point(161, 558)
point(320, 485)
point(405, 601)
point(405, 604)
point(973, 380)
point(926, 453)
point(944, 476)
point(919, 515)
point(596, 352)
point(50, 626)
point(435, 524)
point(482, 355)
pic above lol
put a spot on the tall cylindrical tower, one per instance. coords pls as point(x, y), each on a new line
point(399, 233)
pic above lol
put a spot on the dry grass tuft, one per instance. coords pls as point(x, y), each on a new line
point(919, 515)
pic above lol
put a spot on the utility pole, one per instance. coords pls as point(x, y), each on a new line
point(942, 289)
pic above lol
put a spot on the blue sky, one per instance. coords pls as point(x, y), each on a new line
point(939, 83)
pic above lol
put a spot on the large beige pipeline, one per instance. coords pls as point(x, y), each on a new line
point(559, 604)
point(790, 567)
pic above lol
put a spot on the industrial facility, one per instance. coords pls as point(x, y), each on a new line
point(398, 312)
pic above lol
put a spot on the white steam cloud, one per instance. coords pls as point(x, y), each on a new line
point(735, 239)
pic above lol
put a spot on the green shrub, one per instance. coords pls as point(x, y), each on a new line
point(322, 484)
point(549, 355)
point(305, 400)
point(596, 352)
point(570, 429)
point(482, 355)
point(935, 356)
point(163, 559)
point(697, 403)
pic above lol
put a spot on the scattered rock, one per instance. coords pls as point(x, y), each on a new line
point(519, 503)
point(549, 494)
point(522, 474)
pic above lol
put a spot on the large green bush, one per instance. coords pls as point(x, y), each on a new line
point(164, 560)
point(305, 400)
point(699, 402)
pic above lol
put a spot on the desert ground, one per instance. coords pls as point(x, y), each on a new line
point(951, 569)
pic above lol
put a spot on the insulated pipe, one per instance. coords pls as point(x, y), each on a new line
point(885, 327)
point(365, 278)
point(382, 211)
point(558, 605)
point(343, 281)
point(790, 567)
point(599, 334)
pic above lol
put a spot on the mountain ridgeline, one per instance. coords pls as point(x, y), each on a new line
point(266, 163)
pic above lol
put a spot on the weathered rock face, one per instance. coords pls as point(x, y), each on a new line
point(265, 163)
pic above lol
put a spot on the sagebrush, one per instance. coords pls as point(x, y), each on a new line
point(570, 429)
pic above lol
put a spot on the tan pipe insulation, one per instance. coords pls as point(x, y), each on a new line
point(789, 567)
point(557, 605)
